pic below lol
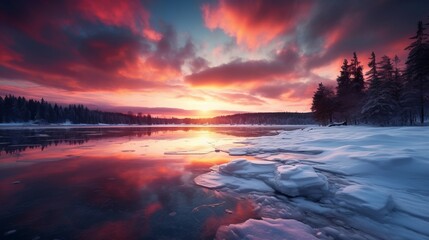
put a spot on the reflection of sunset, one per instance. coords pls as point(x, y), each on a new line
point(118, 183)
point(240, 213)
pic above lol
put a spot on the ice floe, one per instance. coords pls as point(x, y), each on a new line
point(300, 180)
point(266, 176)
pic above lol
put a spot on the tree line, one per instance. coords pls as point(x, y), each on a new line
point(20, 110)
point(384, 95)
point(273, 118)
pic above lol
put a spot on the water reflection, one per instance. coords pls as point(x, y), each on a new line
point(14, 141)
point(114, 183)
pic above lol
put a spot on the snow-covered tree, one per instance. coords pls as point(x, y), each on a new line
point(323, 104)
point(380, 107)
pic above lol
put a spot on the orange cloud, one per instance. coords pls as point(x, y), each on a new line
point(129, 13)
point(245, 73)
point(254, 23)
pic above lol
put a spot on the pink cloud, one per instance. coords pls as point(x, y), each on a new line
point(254, 23)
point(239, 72)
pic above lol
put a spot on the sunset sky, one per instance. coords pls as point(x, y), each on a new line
point(196, 57)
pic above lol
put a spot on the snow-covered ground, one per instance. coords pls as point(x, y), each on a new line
point(330, 183)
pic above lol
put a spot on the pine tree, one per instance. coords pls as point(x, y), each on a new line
point(2, 108)
point(372, 74)
point(356, 71)
point(417, 71)
point(397, 76)
point(344, 87)
point(398, 90)
point(323, 104)
point(380, 107)
point(357, 87)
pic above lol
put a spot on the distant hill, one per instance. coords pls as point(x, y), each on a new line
point(279, 118)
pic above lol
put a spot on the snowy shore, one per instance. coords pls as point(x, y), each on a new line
point(332, 183)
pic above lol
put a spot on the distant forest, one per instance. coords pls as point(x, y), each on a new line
point(388, 96)
point(19, 109)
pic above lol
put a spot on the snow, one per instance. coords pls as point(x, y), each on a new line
point(267, 229)
point(366, 200)
point(350, 182)
point(245, 175)
point(215, 181)
point(300, 180)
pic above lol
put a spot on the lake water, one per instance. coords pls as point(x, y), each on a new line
point(117, 183)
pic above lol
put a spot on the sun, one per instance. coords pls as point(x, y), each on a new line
point(205, 113)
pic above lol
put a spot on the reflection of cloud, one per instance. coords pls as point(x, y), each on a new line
point(242, 211)
point(95, 186)
point(151, 209)
point(111, 230)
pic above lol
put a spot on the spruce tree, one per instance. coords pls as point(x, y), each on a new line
point(357, 87)
point(344, 86)
point(380, 107)
point(357, 79)
point(372, 74)
point(323, 104)
point(417, 69)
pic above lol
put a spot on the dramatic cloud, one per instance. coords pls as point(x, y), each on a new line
point(197, 64)
point(315, 35)
point(244, 72)
point(87, 46)
point(235, 55)
point(129, 13)
point(285, 90)
point(255, 23)
point(335, 29)
point(238, 98)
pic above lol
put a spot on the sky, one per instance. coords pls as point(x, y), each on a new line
point(196, 57)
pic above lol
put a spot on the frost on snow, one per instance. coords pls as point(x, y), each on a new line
point(347, 182)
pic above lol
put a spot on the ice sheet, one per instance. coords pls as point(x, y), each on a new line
point(356, 181)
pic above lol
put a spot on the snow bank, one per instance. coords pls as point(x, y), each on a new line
point(267, 229)
point(365, 200)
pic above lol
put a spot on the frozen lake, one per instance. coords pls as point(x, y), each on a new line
point(118, 183)
point(352, 182)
